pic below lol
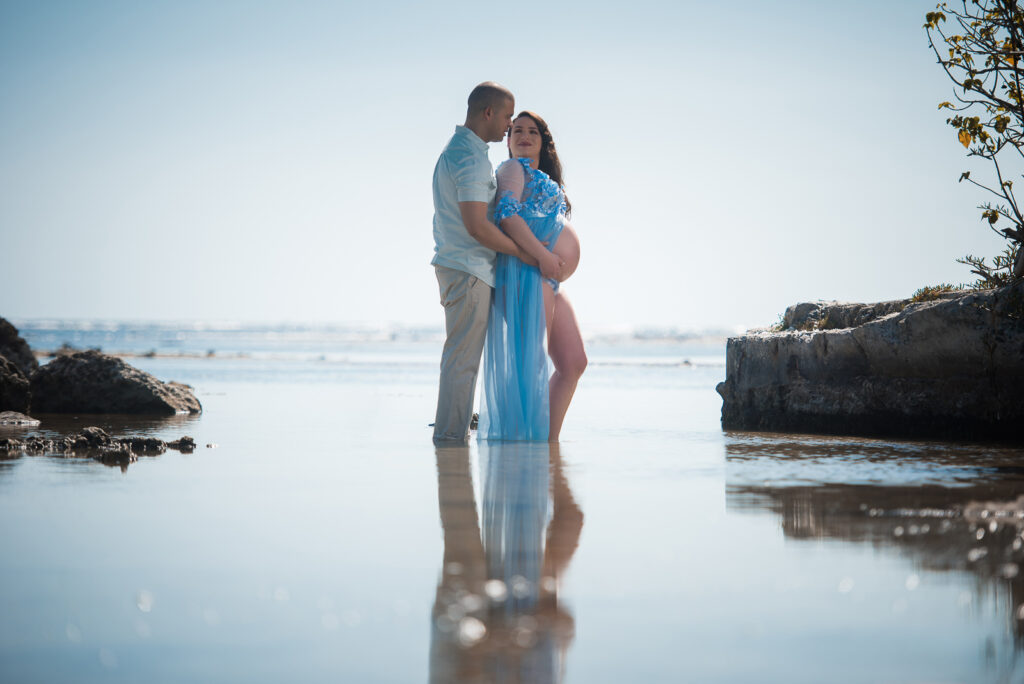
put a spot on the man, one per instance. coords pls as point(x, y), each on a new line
point(465, 246)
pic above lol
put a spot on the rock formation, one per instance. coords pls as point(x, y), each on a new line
point(16, 349)
point(14, 387)
point(93, 382)
point(949, 368)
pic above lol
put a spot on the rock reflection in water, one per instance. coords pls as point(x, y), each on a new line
point(54, 425)
point(950, 507)
point(497, 616)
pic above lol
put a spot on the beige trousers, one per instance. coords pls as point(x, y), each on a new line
point(467, 302)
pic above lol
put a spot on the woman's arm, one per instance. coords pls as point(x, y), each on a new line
point(550, 264)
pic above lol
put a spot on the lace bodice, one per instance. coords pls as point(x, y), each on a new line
point(526, 191)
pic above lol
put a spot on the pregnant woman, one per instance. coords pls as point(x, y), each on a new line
point(520, 401)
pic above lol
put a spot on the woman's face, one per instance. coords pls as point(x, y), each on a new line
point(524, 139)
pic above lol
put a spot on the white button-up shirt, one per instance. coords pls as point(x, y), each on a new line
point(463, 174)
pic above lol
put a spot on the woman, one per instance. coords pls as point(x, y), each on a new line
point(520, 401)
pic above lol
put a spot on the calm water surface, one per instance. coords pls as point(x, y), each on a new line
point(324, 538)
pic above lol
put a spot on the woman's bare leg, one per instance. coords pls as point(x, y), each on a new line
point(549, 306)
point(565, 347)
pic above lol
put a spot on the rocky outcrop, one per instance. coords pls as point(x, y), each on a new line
point(16, 349)
point(18, 419)
point(14, 387)
point(93, 382)
point(949, 368)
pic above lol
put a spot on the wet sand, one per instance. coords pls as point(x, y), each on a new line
point(326, 539)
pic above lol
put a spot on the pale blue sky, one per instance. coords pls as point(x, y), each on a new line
point(271, 161)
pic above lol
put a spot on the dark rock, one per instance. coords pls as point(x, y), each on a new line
point(93, 382)
point(144, 445)
point(951, 368)
point(95, 437)
point(65, 349)
point(185, 444)
point(16, 349)
point(15, 389)
point(14, 418)
point(95, 443)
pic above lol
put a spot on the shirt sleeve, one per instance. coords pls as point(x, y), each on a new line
point(472, 177)
point(511, 181)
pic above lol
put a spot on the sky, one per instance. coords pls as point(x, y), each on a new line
point(271, 161)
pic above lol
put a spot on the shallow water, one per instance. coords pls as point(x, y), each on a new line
point(324, 538)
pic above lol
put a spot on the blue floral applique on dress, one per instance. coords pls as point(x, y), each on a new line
point(507, 206)
point(541, 196)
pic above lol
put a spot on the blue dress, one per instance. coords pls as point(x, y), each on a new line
point(514, 401)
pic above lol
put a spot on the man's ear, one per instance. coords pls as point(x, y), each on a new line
point(488, 113)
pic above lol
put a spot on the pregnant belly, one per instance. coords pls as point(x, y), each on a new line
point(568, 248)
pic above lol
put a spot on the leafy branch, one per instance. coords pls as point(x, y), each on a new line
point(983, 54)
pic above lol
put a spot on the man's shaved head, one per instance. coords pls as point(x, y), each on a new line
point(488, 94)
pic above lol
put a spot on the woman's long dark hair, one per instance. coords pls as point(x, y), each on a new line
point(549, 162)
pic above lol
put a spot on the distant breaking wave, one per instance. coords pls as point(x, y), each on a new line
point(343, 343)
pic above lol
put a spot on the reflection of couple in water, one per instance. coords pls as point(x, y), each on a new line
point(499, 267)
point(497, 617)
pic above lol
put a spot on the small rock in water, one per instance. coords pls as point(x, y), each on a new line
point(186, 443)
point(144, 445)
point(95, 437)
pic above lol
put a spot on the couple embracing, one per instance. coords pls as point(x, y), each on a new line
point(502, 247)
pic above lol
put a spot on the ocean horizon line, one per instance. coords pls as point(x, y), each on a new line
point(363, 329)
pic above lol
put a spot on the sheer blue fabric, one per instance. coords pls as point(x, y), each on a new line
point(514, 402)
